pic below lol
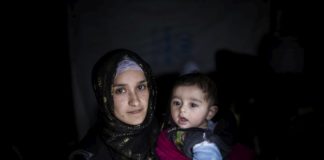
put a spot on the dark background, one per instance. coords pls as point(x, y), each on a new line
point(39, 117)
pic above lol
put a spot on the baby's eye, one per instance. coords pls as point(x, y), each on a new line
point(142, 87)
point(175, 103)
point(119, 90)
point(193, 105)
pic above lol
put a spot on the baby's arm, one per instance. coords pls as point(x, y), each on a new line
point(206, 151)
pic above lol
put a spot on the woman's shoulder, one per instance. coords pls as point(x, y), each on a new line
point(92, 149)
point(81, 154)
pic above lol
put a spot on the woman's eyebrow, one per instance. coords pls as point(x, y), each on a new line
point(143, 81)
point(118, 85)
point(122, 85)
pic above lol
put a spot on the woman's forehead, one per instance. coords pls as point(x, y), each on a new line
point(127, 64)
point(130, 76)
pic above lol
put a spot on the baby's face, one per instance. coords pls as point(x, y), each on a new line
point(189, 107)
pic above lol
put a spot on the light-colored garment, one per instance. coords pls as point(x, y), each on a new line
point(206, 151)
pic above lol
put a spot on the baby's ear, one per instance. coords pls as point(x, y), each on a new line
point(212, 111)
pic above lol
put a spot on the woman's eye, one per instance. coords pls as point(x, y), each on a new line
point(142, 87)
point(120, 90)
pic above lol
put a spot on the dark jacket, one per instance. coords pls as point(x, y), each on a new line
point(194, 136)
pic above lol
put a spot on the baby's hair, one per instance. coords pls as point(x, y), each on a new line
point(201, 80)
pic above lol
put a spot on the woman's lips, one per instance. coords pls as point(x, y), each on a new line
point(135, 111)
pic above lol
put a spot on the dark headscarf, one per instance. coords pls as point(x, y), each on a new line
point(127, 141)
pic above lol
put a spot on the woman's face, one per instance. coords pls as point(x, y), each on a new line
point(130, 94)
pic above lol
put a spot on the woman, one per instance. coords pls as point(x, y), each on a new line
point(126, 93)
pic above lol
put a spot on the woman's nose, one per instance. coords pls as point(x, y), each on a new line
point(133, 99)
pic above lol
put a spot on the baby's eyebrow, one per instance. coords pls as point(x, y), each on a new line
point(196, 100)
point(175, 97)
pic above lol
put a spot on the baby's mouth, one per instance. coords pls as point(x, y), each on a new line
point(182, 120)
